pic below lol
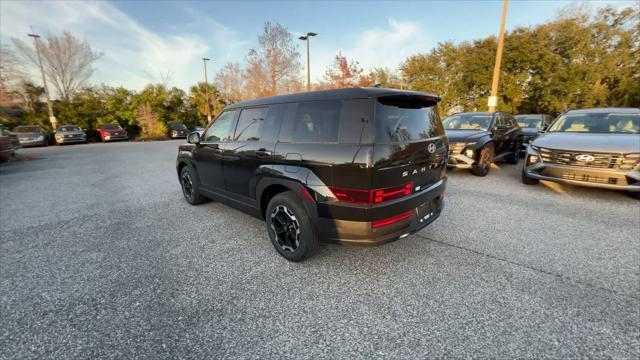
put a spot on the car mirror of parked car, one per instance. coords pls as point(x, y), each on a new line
point(194, 138)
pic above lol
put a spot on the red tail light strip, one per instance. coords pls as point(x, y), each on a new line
point(392, 220)
point(371, 197)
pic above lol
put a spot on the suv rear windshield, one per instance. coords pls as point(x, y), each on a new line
point(178, 127)
point(70, 128)
point(606, 122)
point(27, 129)
point(529, 121)
point(406, 118)
point(467, 122)
point(110, 127)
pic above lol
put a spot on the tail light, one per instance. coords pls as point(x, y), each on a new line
point(370, 197)
point(391, 220)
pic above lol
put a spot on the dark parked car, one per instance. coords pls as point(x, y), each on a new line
point(32, 135)
point(589, 147)
point(477, 139)
point(356, 166)
point(532, 125)
point(111, 132)
point(70, 134)
point(9, 143)
point(177, 131)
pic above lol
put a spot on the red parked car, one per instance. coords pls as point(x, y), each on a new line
point(111, 132)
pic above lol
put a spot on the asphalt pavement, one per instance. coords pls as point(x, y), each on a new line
point(100, 257)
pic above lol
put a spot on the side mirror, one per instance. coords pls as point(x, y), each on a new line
point(543, 129)
point(194, 138)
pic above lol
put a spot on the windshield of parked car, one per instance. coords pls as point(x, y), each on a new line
point(110, 127)
point(529, 121)
point(467, 122)
point(178, 127)
point(70, 128)
point(27, 129)
point(400, 119)
point(607, 122)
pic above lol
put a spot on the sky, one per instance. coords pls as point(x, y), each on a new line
point(152, 41)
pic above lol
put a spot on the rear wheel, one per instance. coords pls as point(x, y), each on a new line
point(635, 194)
point(290, 228)
point(482, 167)
point(190, 186)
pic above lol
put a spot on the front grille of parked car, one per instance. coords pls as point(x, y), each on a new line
point(590, 178)
point(456, 148)
point(600, 160)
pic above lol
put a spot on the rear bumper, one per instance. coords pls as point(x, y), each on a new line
point(71, 140)
point(425, 206)
point(612, 179)
point(115, 137)
point(26, 143)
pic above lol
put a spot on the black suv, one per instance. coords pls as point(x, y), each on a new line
point(588, 147)
point(532, 125)
point(477, 139)
point(356, 166)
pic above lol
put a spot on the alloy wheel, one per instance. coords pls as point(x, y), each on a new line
point(286, 228)
point(187, 185)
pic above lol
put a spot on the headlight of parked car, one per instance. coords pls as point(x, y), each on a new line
point(40, 138)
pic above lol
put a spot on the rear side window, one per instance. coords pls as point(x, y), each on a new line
point(401, 119)
point(328, 121)
point(317, 121)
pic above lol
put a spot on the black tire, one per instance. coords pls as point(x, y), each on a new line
point(289, 227)
point(635, 194)
point(190, 186)
point(527, 180)
point(515, 155)
point(482, 167)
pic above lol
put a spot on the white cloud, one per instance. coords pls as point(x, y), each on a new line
point(377, 47)
point(133, 54)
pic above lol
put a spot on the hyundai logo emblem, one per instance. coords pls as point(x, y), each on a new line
point(432, 148)
point(585, 158)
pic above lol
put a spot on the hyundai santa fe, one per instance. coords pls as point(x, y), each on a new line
point(588, 147)
point(354, 166)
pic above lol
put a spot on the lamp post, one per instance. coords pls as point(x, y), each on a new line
point(206, 88)
point(493, 99)
point(306, 39)
point(52, 118)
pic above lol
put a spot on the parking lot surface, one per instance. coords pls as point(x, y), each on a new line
point(101, 257)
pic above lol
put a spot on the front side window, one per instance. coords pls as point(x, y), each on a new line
point(251, 124)
point(178, 127)
point(530, 121)
point(467, 122)
point(222, 127)
point(607, 123)
point(400, 119)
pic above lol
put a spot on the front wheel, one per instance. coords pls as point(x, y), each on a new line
point(482, 167)
point(290, 228)
point(190, 186)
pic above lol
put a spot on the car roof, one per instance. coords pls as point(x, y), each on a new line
point(604, 110)
point(337, 94)
point(475, 112)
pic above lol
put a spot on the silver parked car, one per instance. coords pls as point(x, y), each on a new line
point(32, 135)
point(67, 134)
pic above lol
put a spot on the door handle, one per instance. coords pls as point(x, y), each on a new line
point(263, 153)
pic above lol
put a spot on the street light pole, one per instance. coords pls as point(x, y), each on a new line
point(493, 99)
point(52, 118)
point(206, 88)
point(306, 39)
